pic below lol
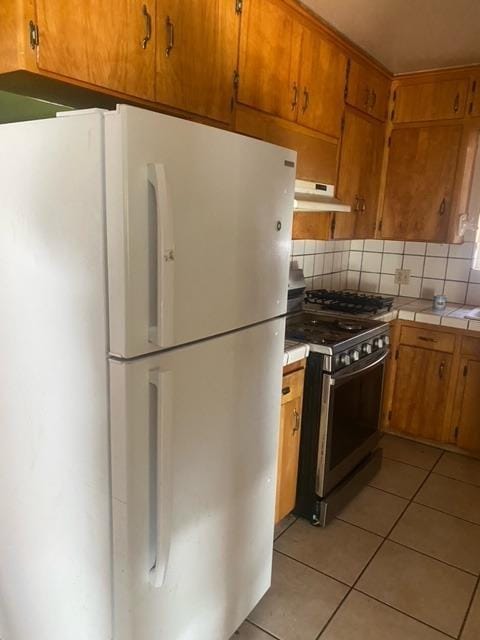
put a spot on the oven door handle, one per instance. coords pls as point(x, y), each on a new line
point(345, 376)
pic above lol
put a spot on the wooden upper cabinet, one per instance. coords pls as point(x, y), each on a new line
point(110, 44)
point(474, 96)
point(268, 58)
point(359, 175)
point(197, 56)
point(420, 181)
point(468, 420)
point(436, 100)
point(367, 89)
point(420, 392)
point(321, 83)
point(288, 68)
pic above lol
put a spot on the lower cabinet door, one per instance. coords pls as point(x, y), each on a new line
point(289, 444)
point(420, 393)
point(468, 425)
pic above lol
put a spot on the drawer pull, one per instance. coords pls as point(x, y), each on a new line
point(425, 339)
point(148, 27)
point(296, 425)
point(285, 391)
point(443, 207)
point(441, 369)
point(294, 96)
point(456, 103)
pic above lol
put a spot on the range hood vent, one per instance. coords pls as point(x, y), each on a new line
point(315, 196)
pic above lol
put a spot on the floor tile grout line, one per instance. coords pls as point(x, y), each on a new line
point(257, 626)
point(390, 493)
point(409, 615)
point(304, 564)
point(284, 531)
point(447, 513)
point(444, 475)
point(409, 464)
point(402, 544)
point(476, 588)
point(334, 613)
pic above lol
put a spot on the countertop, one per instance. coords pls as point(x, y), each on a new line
point(294, 351)
point(419, 310)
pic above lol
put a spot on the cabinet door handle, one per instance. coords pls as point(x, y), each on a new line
point(357, 204)
point(170, 27)
point(374, 100)
point(427, 339)
point(443, 207)
point(148, 27)
point(296, 424)
point(456, 103)
point(363, 206)
point(367, 97)
point(294, 96)
point(306, 99)
point(285, 391)
point(441, 369)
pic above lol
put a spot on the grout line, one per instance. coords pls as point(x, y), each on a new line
point(477, 588)
point(408, 615)
point(444, 475)
point(257, 626)
point(284, 530)
point(447, 513)
point(308, 566)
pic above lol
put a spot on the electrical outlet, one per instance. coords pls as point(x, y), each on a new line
point(402, 276)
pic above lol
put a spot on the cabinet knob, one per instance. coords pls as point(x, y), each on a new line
point(285, 391)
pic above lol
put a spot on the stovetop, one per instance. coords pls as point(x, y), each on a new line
point(348, 302)
point(346, 339)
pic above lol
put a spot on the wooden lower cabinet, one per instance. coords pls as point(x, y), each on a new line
point(432, 388)
point(420, 392)
point(289, 441)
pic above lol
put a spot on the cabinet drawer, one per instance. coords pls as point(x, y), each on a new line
point(428, 339)
point(292, 386)
point(470, 346)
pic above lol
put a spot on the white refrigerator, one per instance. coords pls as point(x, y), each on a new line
point(143, 284)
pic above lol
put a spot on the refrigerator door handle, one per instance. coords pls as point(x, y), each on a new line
point(161, 258)
point(161, 422)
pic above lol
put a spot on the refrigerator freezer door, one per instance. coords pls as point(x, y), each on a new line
point(194, 439)
point(55, 502)
point(198, 229)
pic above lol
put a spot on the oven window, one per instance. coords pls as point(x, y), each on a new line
point(355, 412)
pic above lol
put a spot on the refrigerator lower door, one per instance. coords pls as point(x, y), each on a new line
point(198, 227)
point(194, 440)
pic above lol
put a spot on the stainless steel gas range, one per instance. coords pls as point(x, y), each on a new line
point(341, 408)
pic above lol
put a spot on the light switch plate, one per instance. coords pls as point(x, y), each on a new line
point(402, 276)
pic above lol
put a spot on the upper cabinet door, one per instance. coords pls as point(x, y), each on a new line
point(440, 100)
point(420, 180)
point(321, 83)
point(108, 44)
point(196, 56)
point(268, 58)
point(367, 90)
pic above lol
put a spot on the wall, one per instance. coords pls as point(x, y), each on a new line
point(324, 263)
point(369, 265)
point(434, 268)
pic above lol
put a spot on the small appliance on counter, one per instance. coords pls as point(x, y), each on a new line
point(342, 401)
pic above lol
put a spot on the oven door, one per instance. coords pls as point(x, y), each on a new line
point(351, 405)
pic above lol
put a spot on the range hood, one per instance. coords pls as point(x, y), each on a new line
point(315, 196)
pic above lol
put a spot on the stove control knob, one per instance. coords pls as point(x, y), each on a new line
point(378, 343)
point(344, 359)
point(366, 348)
point(354, 355)
point(386, 340)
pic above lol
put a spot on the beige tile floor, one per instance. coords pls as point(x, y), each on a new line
point(401, 561)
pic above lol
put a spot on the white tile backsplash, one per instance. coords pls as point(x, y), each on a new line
point(458, 269)
point(391, 262)
point(372, 262)
point(415, 248)
point(414, 264)
point(370, 265)
point(435, 268)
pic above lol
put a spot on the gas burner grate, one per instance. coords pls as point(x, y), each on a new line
point(348, 302)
